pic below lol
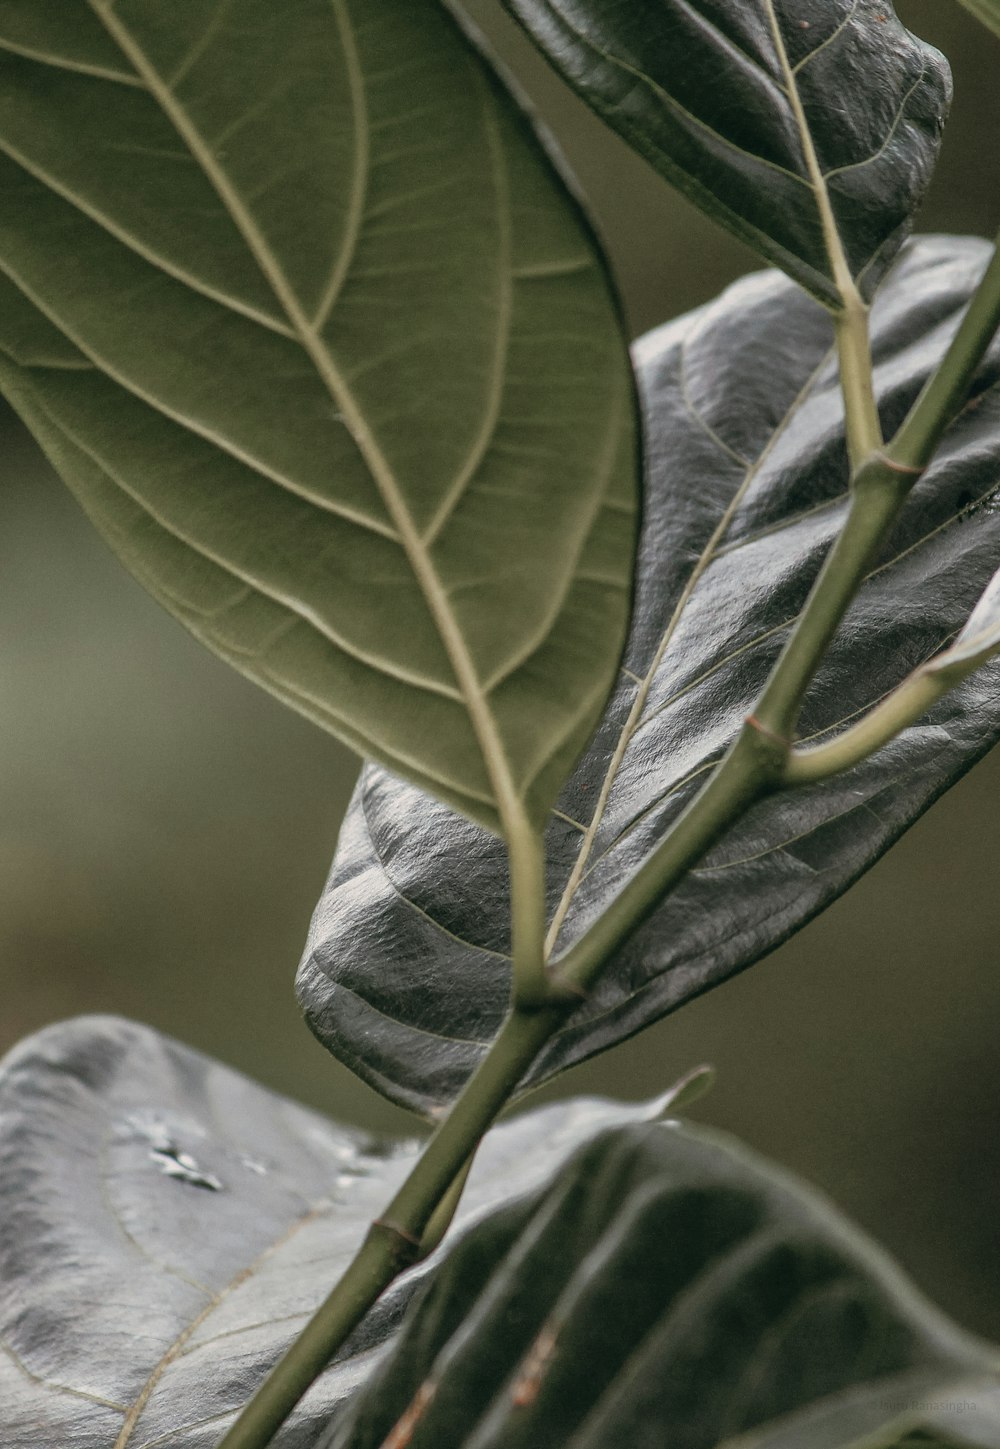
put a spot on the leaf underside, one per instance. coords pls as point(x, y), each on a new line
point(668, 1288)
point(168, 1227)
point(406, 976)
point(299, 308)
point(741, 105)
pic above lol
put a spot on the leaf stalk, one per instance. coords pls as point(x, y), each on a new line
point(861, 419)
point(948, 387)
point(397, 1240)
point(901, 709)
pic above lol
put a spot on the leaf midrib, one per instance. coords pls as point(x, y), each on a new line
point(635, 716)
point(840, 268)
point(177, 1347)
point(752, 643)
point(845, 285)
point(509, 805)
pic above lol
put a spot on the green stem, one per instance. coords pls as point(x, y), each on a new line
point(948, 387)
point(897, 712)
point(908, 703)
point(745, 774)
point(530, 982)
point(878, 494)
point(861, 419)
point(396, 1240)
point(755, 765)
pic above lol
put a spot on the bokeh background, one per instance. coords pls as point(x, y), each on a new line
point(165, 828)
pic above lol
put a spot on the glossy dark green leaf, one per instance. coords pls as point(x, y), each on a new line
point(297, 305)
point(406, 977)
point(168, 1226)
point(809, 128)
point(668, 1288)
point(979, 639)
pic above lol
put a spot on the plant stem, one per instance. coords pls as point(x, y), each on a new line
point(914, 697)
point(948, 387)
point(743, 777)
point(861, 419)
point(395, 1241)
point(530, 984)
point(757, 763)
point(878, 494)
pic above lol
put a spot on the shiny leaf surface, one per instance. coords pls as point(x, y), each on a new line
point(406, 974)
point(300, 310)
point(741, 106)
point(980, 638)
point(168, 1226)
point(668, 1288)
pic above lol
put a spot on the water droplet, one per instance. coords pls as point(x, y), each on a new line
point(168, 1155)
point(172, 1162)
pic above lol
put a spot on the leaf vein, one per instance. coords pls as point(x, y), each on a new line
point(67, 63)
point(301, 614)
point(495, 760)
point(358, 191)
point(154, 259)
point(201, 430)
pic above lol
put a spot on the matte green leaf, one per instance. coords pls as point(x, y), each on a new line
point(809, 128)
point(298, 307)
point(168, 1227)
point(406, 975)
point(668, 1288)
point(987, 11)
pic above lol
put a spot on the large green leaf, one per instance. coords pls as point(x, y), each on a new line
point(168, 1226)
point(668, 1288)
point(296, 304)
point(808, 127)
point(406, 977)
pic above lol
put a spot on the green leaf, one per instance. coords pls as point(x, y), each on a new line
point(302, 313)
point(986, 11)
point(169, 1226)
point(742, 107)
point(406, 976)
point(667, 1288)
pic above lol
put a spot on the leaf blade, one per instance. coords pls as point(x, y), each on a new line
point(276, 238)
point(725, 376)
point(668, 1286)
point(170, 1226)
point(738, 106)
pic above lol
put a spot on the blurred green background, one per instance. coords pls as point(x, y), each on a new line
point(165, 828)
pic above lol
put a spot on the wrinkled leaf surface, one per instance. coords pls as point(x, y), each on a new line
point(168, 1226)
point(668, 1288)
point(406, 975)
point(741, 104)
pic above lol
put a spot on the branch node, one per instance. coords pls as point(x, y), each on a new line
point(562, 989)
point(759, 728)
point(406, 1248)
point(904, 470)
